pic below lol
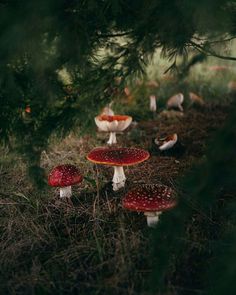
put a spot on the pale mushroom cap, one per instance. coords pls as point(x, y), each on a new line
point(196, 98)
point(150, 198)
point(232, 85)
point(218, 68)
point(64, 175)
point(167, 142)
point(118, 156)
point(107, 111)
point(152, 84)
point(113, 123)
point(175, 100)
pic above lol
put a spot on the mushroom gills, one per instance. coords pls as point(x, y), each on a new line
point(119, 178)
point(152, 218)
point(65, 192)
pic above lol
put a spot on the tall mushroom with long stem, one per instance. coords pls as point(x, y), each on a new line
point(64, 176)
point(118, 157)
point(151, 199)
point(113, 124)
point(153, 103)
point(152, 85)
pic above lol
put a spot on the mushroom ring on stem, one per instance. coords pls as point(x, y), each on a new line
point(64, 176)
point(118, 157)
point(113, 124)
point(151, 199)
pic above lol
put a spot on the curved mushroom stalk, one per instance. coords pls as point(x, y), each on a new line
point(180, 108)
point(65, 192)
point(112, 138)
point(119, 178)
point(152, 218)
point(153, 103)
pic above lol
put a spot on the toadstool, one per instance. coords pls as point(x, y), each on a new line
point(167, 142)
point(64, 176)
point(153, 103)
point(118, 157)
point(176, 101)
point(112, 124)
point(152, 199)
point(152, 85)
point(196, 99)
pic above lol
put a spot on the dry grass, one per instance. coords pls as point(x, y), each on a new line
point(90, 245)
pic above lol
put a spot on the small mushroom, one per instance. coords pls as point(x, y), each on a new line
point(153, 103)
point(64, 176)
point(218, 68)
point(112, 124)
point(167, 142)
point(107, 110)
point(176, 101)
point(28, 109)
point(118, 157)
point(152, 199)
point(152, 84)
point(196, 99)
point(232, 86)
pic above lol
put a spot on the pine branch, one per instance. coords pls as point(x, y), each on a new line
point(210, 52)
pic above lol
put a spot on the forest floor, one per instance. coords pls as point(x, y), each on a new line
point(91, 245)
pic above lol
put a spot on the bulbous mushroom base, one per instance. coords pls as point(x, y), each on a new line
point(119, 178)
point(65, 192)
point(152, 218)
point(112, 138)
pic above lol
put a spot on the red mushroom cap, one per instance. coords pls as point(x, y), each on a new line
point(111, 118)
point(64, 175)
point(118, 156)
point(150, 198)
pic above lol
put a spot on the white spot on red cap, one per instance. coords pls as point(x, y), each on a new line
point(150, 198)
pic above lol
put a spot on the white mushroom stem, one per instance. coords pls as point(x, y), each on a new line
point(180, 108)
point(153, 103)
point(152, 218)
point(119, 178)
point(112, 138)
point(65, 192)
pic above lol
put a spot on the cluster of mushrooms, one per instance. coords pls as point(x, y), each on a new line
point(151, 199)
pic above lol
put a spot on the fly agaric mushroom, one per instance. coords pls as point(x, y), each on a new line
point(118, 157)
point(112, 124)
point(167, 142)
point(196, 99)
point(176, 101)
point(152, 199)
point(28, 109)
point(64, 176)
